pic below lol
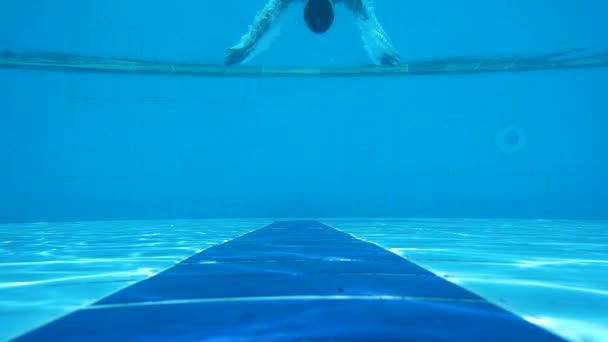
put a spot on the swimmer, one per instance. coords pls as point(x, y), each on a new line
point(319, 16)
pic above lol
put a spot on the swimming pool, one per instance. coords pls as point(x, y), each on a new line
point(134, 148)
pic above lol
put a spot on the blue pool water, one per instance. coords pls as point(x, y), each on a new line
point(126, 146)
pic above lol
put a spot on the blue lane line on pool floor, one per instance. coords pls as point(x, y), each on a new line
point(292, 280)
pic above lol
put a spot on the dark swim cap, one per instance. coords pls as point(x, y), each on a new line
point(319, 15)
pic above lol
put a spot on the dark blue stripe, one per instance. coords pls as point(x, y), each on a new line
point(283, 261)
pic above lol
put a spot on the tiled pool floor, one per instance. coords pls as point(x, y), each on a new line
point(50, 269)
point(548, 272)
point(553, 273)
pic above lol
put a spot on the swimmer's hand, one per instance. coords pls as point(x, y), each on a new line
point(236, 55)
point(390, 59)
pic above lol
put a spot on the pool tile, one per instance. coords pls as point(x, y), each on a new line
point(293, 267)
point(172, 288)
point(323, 320)
point(302, 280)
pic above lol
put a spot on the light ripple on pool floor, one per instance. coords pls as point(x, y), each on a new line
point(526, 266)
point(50, 269)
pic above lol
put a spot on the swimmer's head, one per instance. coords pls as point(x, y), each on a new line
point(319, 15)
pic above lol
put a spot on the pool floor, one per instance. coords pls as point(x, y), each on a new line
point(443, 277)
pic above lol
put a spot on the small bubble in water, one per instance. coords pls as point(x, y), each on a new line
point(511, 139)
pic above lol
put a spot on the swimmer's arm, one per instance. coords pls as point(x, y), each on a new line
point(262, 24)
point(376, 40)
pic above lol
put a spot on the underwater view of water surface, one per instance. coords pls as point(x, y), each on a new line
point(274, 170)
